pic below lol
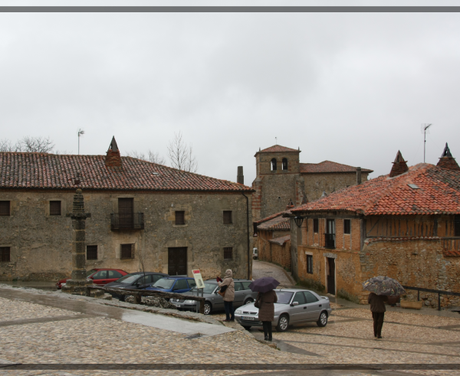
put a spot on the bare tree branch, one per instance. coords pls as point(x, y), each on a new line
point(181, 155)
point(34, 144)
point(153, 157)
point(5, 145)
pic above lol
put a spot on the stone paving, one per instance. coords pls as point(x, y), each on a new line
point(47, 335)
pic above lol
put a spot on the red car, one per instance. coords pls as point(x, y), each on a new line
point(99, 276)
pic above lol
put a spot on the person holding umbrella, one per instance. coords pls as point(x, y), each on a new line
point(266, 299)
point(229, 295)
point(378, 309)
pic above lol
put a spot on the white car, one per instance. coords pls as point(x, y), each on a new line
point(294, 306)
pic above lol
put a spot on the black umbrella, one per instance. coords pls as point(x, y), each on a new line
point(264, 284)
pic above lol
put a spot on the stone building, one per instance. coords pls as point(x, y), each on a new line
point(281, 179)
point(405, 225)
point(144, 216)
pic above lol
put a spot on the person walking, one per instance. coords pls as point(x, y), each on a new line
point(378, 309)
point(266, 302)
point(229, 295)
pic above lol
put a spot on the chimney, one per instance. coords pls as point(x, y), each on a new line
point(113, 159)
point(240, 176)
point(399, 166)
point(447, 161)
point(358, 175)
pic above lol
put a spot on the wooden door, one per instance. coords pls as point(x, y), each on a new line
point(331, 275)
point(177, 261)
point(126, 212)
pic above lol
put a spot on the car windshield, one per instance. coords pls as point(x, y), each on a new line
point(164, 283)
point(89, 272)
point(129, 279)
point(284, 297)
point(208, 288)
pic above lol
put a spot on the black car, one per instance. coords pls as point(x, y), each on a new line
point(134, 281)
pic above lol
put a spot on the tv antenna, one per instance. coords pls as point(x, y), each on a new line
point(80, 132)
point(425, 128)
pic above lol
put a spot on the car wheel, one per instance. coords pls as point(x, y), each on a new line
point(207, 308)
point(246, 327)
point(283, 323)
point(322, 321)
point(248, 300)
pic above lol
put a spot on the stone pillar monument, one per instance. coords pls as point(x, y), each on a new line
point(77, 284)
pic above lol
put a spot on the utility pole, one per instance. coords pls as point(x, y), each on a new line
point(80, 132)
point(425, 127)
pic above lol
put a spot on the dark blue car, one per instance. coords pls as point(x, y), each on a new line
point(173, 284)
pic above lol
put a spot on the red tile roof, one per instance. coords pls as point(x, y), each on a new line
point(434, 191)
point(52, 171)
point(279, 223)
point(278, 149)
point(281, 240)
point(328, 167)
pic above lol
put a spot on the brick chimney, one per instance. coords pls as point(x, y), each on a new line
point(399, 166)
point(447, 161)
point(113, 158)
point(240, 176)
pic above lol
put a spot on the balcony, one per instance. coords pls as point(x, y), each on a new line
point(329, 241)
point(127, 222)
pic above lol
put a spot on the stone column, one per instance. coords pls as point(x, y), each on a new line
point(77, 284)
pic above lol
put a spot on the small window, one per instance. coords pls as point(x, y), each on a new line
point(91, 252)
point(315, 225)
point(127, 251)
point(5, 254)
point(310, 264)
point(227, 217)
point(346, 226)
point(285, 164)
point(55, 207)
point(228, 253)
point(180, 218)
point(4, 208)
point(273, 164)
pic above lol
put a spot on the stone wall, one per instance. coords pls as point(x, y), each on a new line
point(41, 244)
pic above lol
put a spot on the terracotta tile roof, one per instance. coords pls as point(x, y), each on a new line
point(277, 223)
point(328, 167)
point(278, 149)
point(52, 171)
point(424, 189)
point(281, 240)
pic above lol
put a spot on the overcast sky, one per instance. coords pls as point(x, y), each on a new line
point(346, 87)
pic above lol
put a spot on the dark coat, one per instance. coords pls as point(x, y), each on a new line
point(267, 306)
point(377, 302)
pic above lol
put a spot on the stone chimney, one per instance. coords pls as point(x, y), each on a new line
point(447, 161)
point(240, 176)
point(358, 175)
point(399, 166)
point(113, 158)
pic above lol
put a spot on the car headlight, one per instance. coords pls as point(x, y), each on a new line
point(238, 312)
point(190, 301)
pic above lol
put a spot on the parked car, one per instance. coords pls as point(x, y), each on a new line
point(99, 276)
point(294, 306)
point(214, 302)
point(173, 284)
point(134, 281)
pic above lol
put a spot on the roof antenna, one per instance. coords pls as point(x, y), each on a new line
point(425, 128)
point(276, 140)
point(80, 132)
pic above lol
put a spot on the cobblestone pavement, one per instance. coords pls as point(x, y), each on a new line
point(64, 331)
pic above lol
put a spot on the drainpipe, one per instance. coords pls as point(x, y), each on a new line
point(247, 231)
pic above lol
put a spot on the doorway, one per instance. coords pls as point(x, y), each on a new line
point(177, 261)
point(330, 268)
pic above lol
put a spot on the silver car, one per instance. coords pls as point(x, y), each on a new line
point(214, 302)
point(294, 306)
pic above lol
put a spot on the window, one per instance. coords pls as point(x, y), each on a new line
point(346, 226)
point(181, 284)
point(300, 298)
point(273, 164)
point(101, 274)
point(192, 283)
point(315, 225)
point(227, 217)
point(5, 254)
point(246, 285)
point(127, 251)
point(55, 207)
point(457, 225)
point(126, 213)
point(180, 217)
point(238, 286)
point(114, 274)
point(91, 252)
point(4, 208)
point(228, 253)
point(285, 164)
point(310, 264)
point(310, 297)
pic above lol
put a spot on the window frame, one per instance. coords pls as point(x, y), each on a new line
point(5, 254)
point(7, 206)
point(179, 217)
point(347, 226)
point(227, 251)
point(227, 217)
point(315, 225)
point(123, 251)
point(53, 207)
point(92, 251)
point(309, 264)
